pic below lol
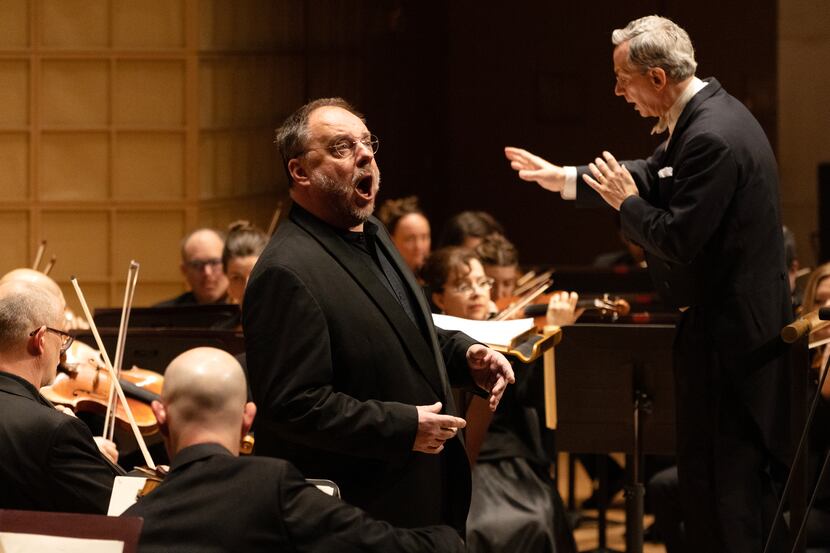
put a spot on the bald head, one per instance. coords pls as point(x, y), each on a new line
point(204, 401)
point(36, 278)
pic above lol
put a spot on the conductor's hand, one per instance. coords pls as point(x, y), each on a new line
point(611, 180)
point(535, 169)
point(434, 428)
point(490, 370)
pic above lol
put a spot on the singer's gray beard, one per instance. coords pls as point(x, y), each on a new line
point(341, 198)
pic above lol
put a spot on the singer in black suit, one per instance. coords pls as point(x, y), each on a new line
point(705, 208)
point(351, 377)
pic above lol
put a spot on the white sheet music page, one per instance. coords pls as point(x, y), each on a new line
point(493, 333)
point(13, 542)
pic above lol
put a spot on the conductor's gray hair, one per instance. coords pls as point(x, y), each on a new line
point(655, 41)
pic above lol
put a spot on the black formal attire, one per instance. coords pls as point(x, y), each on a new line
point(48, 460)
point(212, 501)
point(707, 216)
point(341, 348)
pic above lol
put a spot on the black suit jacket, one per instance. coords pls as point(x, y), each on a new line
point(48, 460)
point(708, 218)
point(213, 501)
point(337, 368)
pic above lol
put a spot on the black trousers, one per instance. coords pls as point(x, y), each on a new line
point(727, 495)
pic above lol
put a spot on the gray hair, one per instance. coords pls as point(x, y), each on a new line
point(292, 136)
point(24, 307)
point(655, 41)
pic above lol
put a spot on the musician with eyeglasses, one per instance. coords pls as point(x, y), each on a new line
point(49, 460)
point(351, 378)
point(201, 267)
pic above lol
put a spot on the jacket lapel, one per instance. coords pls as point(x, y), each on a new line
point(410, 336)
point(711, 88)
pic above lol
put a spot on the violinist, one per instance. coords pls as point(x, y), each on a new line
point(50, 461)
point(214, 500)
point(70, 322)
point(514, 504)
point(501, 263)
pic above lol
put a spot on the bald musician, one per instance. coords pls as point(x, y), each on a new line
point(49, 460)
point(214, 500)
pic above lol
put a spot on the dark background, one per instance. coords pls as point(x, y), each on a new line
point(446, 85)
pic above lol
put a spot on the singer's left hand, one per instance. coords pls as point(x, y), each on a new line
point(490, 370)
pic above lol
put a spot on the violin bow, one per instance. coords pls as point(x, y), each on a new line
point(532, 283)
point(129, 291)
point(39, 255)
point(48, 268)
point(138, 437)
point(513, 309)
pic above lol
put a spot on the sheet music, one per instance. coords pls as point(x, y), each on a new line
point(124, 493)
point(13, 542)
point(494, 333)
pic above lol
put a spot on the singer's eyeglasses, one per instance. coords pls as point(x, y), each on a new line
point(346, 147)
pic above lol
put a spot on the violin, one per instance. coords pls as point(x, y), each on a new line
point(535, 304)
point(83, 385)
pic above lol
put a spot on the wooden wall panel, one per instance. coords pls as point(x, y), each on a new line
point(74, 166)
point(14, 23)
point(148, 24)
point(14, 94)
point(74, 24)
point(81, 240)
point(151, 238)
point(149, 93)
point(149, 166)
point(104, 106)
point(75, 93)
point(14, 248)
point(14, 159)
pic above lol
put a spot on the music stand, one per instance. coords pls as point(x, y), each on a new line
point(177, 316)
point(123, 529)
point(615, 393)
point(154, 348)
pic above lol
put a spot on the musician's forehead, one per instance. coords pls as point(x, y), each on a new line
point(329, 121)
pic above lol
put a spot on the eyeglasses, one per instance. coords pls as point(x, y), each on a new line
point(198, 265)
point(66, 338)
point(467, 286)
point(347, 147)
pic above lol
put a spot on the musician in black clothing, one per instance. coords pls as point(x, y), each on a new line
point(49, 460)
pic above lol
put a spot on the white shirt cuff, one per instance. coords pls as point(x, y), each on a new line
point(569, 191)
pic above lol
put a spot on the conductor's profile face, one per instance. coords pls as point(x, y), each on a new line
point(636, 86)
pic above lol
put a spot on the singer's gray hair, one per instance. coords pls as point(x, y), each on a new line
point(655, 41)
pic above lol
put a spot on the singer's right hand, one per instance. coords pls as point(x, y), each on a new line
point(434, 428)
